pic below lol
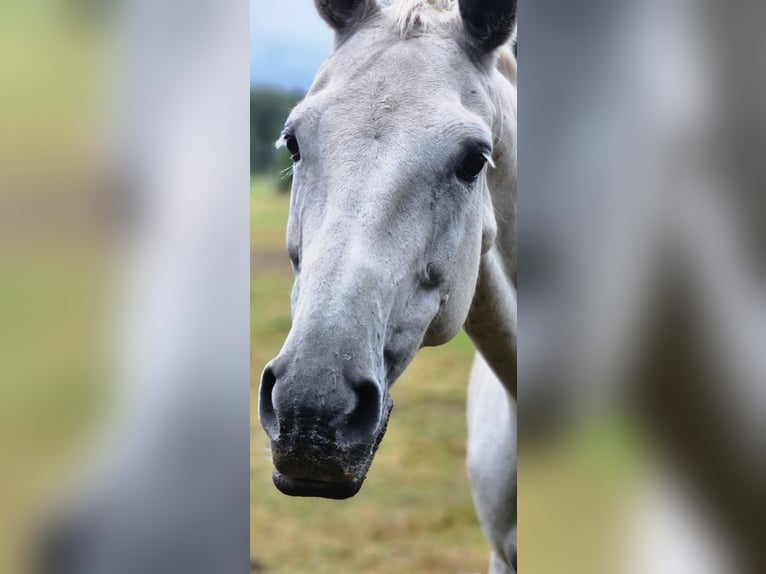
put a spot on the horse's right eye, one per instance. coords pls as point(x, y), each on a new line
point(292, 146)
point(471, 166)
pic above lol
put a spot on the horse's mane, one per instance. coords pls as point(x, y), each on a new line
point(417, 16)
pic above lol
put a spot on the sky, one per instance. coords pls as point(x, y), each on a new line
point(288, 43)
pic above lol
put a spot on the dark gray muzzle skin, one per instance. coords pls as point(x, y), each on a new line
point(324, 422)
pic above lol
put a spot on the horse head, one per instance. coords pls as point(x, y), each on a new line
point(390, 215)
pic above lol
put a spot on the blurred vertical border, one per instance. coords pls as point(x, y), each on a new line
point(124, 286)
point(642, 309)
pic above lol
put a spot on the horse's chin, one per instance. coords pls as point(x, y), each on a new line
point(337, 490)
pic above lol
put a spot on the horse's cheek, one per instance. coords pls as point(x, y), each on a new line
point(447, 323)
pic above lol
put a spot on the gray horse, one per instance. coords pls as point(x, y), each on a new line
point(401, 232)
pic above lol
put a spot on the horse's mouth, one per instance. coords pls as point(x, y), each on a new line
point(314, 465)
point(337, 490)
point(325, 473)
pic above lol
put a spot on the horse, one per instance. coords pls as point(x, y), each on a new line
point(401, 232)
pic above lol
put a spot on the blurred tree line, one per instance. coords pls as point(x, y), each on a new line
point(269, 108)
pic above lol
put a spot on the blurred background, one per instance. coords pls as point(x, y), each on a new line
point(143, 285)
point(53, 254)
point(124, 307)
point(642, 309)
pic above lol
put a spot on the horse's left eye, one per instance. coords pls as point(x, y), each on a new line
point(292, 146)
point(471, 166)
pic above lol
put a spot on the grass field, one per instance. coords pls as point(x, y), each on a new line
point(414, 514)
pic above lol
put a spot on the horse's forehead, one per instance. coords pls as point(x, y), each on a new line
point(380, 58)
point(405, 80)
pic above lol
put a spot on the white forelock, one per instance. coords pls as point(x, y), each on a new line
point(416, 16)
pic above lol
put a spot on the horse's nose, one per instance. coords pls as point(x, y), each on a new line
point(338, 408)
point(266, 403)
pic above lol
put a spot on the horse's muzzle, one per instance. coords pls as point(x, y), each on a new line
point(310, 463)
point(323, 435)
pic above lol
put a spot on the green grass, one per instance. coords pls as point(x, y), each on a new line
point(268, 215)
point(414, 514)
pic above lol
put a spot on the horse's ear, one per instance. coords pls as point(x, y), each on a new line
point(344, 15)
point(488, 23)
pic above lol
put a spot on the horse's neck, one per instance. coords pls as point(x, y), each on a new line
point(491, 323)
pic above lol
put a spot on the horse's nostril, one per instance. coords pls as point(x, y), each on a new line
point(266, 403)
point(364, 419)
